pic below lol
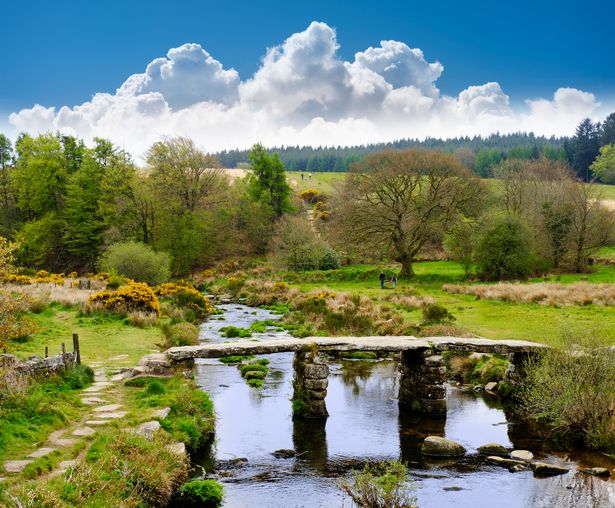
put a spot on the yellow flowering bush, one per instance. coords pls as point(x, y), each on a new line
point(43, 277)
point(22, 280)
point(230, 266)
point(73, 275)
point(280, 287)
point(207, 273)
point(133, 296)
point(310, 196)
point(183, 294)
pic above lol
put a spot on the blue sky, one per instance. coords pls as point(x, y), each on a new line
point(62, 53)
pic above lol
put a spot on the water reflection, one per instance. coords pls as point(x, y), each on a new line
point(366, 424)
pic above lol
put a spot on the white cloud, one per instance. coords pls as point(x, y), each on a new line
point(303, 93)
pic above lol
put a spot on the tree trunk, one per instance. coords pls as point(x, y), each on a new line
point(406, 268)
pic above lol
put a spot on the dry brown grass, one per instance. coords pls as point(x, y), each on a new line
point(50, 293)
point(408, 301)
point(580, 293)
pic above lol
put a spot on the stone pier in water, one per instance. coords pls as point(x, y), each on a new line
point(422, 369)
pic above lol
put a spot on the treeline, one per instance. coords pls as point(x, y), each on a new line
point(480, 154)
point(64, 204)
point(485, 149)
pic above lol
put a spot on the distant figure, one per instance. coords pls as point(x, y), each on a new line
point(301, 176)
point(310, 175)
point(394, 281)
point(382, 277)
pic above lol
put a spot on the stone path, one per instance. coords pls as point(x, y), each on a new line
point(101, 407)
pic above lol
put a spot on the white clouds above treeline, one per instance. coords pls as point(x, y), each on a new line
point(305, 94)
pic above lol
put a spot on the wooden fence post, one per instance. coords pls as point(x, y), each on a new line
point(76, 349)
point(46, 351)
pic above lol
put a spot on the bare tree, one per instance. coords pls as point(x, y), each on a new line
point(397, 200)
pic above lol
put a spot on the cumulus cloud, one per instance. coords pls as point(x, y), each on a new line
point(303, 93)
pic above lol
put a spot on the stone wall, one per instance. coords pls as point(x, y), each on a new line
point(36, 366)
point(310, 385)
point(421, 384)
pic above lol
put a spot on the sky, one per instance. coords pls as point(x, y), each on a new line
point(229, 74)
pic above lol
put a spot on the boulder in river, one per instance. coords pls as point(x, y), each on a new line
point(507, 463)
point(597, 471)
point(493, 449)
point(435, 446)
point(522, 455)
point(491, 387)
point(284, 454)
point(544, 469)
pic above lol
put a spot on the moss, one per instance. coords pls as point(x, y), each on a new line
point(234, 331)
point(360, 355)
point(199, 494)
point(256, 383)
point(235, 358)
point(297, 407)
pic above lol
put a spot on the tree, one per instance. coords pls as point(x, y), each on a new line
point(607, 130)
point(396, 201)
point(182, 174)
point(268, 180)
point(504, 250)
point(603, 167)
point(137, 261)
point(583, 148)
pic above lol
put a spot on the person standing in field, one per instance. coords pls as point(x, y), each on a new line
point(394, 281)
point(382, 277)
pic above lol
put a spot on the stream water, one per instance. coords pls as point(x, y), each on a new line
point(364, 425)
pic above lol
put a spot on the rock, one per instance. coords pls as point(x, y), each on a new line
point(504, 462)
point(453, 488)
point(434, 361)
point(479, 388)
point(597, 471)
point(544, 469)
point(41, 452)
point(66, 464)
point(522, 455)
point(92, 401)
point(316, 394)
point(112, 414)
point(162, 413)
point(315, 371)
point(435, 446)
point(16, 466)
point(84, 431)
point(518, 467)
point(284, 454)
point(491, 387)
point(177, 448)
point(493, 449)
point(108, 407)
point(97, 422)
point(316, 384)
point(148, 429)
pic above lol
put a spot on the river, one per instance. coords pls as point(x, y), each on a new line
point(366, 425)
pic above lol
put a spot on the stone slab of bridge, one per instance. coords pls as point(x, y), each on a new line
point(422, 368)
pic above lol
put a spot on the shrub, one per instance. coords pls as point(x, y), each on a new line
point(310, 196)
point(200, 494)
point(14, 324)
point(434, 313)
point(185, 296)
point(134, 296)
point(504, 251)
point(137, 261)
point(21, 280)
point(573, 389)
point(141, 319)
point(383, 485)
point(180, 334)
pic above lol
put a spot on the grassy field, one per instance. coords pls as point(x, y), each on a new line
point(487, 318)
point(102, 338)
point(324, 182)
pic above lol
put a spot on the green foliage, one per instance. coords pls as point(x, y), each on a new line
point(382, 485)
point(199, 494)
point(504, 251)
point(360, 355)
point(254, 372)
point(268, 180)
point(179, 334)
point(572, 388)
point(603, 167)
point(434, 313)
point(234, 331)
point(137, 261)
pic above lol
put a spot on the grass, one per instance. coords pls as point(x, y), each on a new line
point(102, 337)
point(31, 410)
point(324, 182)
point(487, 318)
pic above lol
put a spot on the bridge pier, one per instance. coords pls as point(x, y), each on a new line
point(310, 385)
point(421, 386)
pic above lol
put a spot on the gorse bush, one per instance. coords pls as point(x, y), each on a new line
point(180, 334)
point(134, 296)
point(137, 261)
point(434, 313)
point(184, 296)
